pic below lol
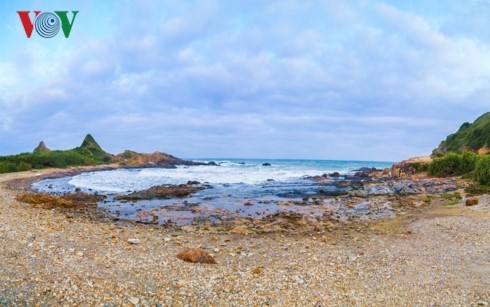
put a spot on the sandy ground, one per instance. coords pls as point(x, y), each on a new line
point(437, 255)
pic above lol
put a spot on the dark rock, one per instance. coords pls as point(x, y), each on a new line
point(248, 204)
point(266, 164)
point(212, 163)
point(162, 192)
point(193, 182)
point(334, 174)
point(270, 180)
point(365, 169)
point(361, 175)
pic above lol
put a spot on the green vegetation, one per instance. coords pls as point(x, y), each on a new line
point(468, 165)
point(470, 137)
point(89, 153)
point(453, 164)
point(451, 196)
point(477, 189)
point(456, 156)
point(482, 170)
point(420, 167)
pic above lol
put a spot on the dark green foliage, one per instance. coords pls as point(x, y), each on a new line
point(127, 154)
point(470, 136)
point(453, 164)
point(482, 170)
point(89, 153)
point(420, 167)
point(451, 196)
point(90, 148)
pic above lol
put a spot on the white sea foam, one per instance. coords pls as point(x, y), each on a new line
point(229, 172)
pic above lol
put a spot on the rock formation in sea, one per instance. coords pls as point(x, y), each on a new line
point(156, 159)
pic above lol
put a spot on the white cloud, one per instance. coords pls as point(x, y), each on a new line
point(295, 78)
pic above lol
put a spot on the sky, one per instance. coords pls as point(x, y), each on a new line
point(345, 80)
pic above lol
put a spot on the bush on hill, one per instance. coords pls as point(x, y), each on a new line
point(482, 170)
point(453, 164)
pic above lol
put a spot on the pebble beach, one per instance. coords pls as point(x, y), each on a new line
point(436, 255)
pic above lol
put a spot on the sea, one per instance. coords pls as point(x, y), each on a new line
point(263, 182)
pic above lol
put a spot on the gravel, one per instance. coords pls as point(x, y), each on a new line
point(437, 255)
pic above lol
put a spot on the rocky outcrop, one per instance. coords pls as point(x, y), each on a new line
point(41, 148)
point(48, 201)
point(163, 192)
point(408, 167)
point(156, 159)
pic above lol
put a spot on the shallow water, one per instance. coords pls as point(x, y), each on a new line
point(233, 183)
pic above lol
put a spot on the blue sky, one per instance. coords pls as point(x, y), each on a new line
point(365, 80)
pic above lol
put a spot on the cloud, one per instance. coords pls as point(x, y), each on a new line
point(300, 79)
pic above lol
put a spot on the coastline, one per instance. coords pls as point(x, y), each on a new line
point(429, 255)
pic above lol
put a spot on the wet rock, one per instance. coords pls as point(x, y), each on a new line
point(270, 180)
point(69, 200)
point(472, 201)
point(193, 182)
point(196, 256)
point(266, 164)
point(361, 175)
point(162, 192)
point(248, 204)
point(212, 163)
point(334, 174)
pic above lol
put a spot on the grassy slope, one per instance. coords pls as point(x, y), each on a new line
point(470, 136)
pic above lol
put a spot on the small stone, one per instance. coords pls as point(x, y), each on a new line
point(248, 204)
point(134, 241)
point(167, 239)
point(134, 300)
point(258, 270)
point(472, 201)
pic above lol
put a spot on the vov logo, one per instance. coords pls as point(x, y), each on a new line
point(47, 24)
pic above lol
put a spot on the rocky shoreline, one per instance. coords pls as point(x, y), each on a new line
point(434, 250)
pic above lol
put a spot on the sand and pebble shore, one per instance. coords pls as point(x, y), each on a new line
point(433, 254)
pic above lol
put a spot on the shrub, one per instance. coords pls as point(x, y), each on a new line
point(482, 170)
point(453, 164)
point(7, 167)
point(420, 167)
